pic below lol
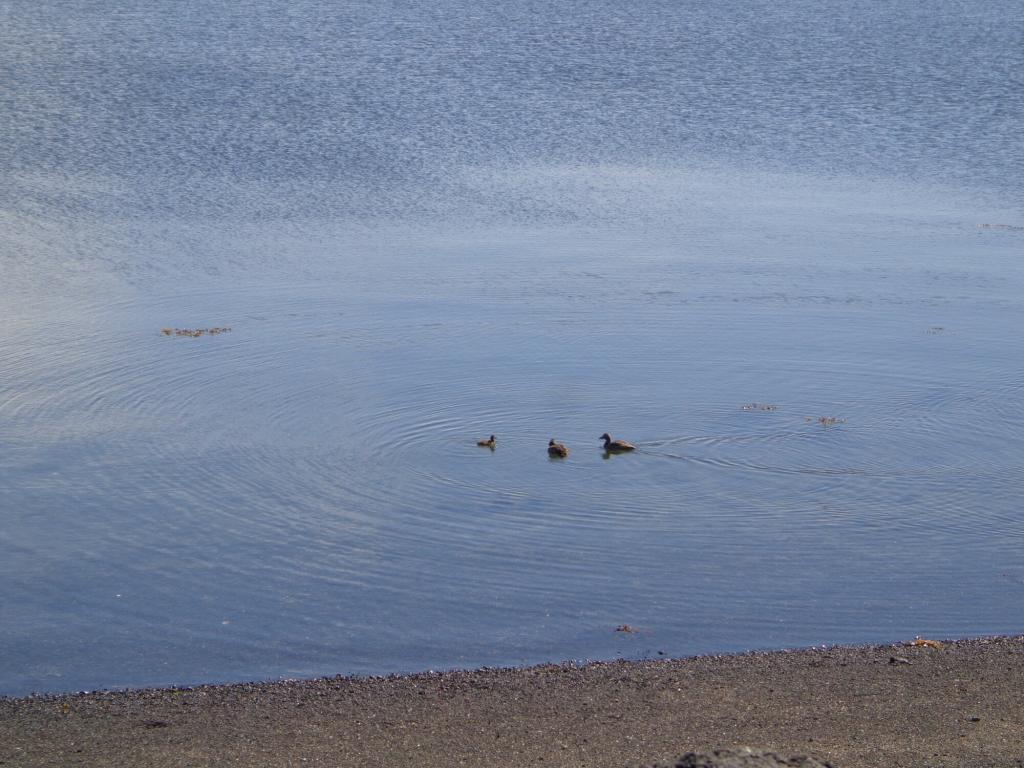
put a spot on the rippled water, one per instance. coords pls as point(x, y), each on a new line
point(699, 229)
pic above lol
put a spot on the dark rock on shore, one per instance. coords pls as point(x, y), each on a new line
point(743, 758)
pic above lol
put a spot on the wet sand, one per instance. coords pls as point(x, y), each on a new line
point(900, 705)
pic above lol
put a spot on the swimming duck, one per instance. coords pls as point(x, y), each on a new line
point(488, 443)
point(616, 446)
point(557, 450)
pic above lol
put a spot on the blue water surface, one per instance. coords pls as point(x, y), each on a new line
point(776, 245)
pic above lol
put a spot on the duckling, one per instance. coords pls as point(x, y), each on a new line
point(557, 450)
point(616, 446)
point(488, 443)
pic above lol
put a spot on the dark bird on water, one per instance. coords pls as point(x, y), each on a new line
point(488, 443)
point(557, 449)
point(616, 446)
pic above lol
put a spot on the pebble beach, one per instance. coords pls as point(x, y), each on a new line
point(899, 706)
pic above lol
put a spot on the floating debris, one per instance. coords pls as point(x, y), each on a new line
point(1009, 227)
point(826, 421)
point(194, 333)
point(760, 407)
point(625, 628)
point(921, 642)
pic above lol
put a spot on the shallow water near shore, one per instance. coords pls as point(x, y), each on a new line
point(815, 347)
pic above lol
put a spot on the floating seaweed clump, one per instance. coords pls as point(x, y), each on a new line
point(827, 421)
point(760, 407)
point(194, 333)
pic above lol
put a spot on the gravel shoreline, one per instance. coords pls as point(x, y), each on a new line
point(899, 705)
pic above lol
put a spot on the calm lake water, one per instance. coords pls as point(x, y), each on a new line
point(699, 227)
